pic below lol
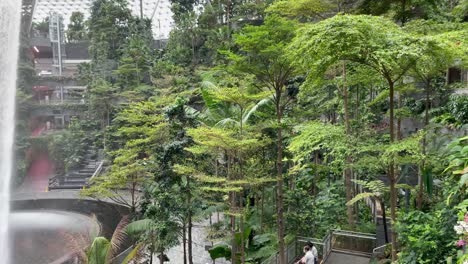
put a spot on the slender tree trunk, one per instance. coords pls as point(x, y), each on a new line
point(184, 241)
point(424, 143)
point(403, 12)
point(241, 176)
point(190, 224)
point(194, 60)
point(347, 171)
point(399, 135)
point(384, 218)
point(279, 182)
point(242, 245)
point(133, 190)
point(232, 210)
point(391, 174)
point(262, 209)
point(315, 181)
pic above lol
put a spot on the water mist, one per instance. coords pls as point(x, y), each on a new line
point(10, 18)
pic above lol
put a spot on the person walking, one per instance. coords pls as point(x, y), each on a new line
point(314, 251)
point(308, 257)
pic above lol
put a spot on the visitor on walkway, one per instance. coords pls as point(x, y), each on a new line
point(314, 251)
point(308, 257)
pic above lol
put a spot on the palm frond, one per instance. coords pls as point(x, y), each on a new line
point(118, 237)
point(135, 254)
point(140, 226)
point(207, 96)
point(254, 109)
point(227, 123)
point(98, 251)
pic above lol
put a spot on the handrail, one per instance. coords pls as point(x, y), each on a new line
point(327, 244)
point(380, 247)
point(98, 170)
point(335, 231)
point(354, 234)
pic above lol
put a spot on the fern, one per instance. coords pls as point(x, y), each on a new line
point(359, 197)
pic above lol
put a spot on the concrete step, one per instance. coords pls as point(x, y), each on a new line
point(352, 253)
point(77, 177)
point(87, 171)
point(84, 174)
point(66, 187)
point(75, 180)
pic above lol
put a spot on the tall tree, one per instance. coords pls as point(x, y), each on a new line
point(108, 31)
point(372, 41)
point(76, 29)
point(262, 53)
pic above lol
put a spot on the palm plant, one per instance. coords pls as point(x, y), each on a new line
point(237, 110)
point(156, 237)
point(103, 251)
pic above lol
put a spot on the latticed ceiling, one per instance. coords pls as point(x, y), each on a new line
point(159, 10)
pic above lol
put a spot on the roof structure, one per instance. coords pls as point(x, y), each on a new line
point(158, 10)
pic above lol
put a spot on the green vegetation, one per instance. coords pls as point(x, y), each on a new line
point(281, 116)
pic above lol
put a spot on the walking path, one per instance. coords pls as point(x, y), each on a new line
point(37, 179)
point(343, 258)
point(200, 255)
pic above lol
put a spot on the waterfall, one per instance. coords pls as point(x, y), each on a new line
point(10, 19)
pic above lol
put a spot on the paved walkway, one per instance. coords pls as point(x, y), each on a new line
point(200, 255)
point(37, 179)
point(342, 258)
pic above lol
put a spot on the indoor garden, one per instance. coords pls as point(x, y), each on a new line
point(228, 131)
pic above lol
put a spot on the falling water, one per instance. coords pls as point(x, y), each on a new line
point(10, 17)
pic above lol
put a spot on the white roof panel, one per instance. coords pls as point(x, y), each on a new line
point(162, 20)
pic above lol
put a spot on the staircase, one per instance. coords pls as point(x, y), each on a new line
point(79, 178)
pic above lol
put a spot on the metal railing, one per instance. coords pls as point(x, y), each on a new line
point(327, 247)
point(60, 102)
point(379, 252)
point(342, 240)
point(353, 241)
point(290, 253)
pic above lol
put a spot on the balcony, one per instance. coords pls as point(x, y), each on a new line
point(67, 101)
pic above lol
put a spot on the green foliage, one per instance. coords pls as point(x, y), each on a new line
point(315, 216)
point(160, 227)
point(76, 29)
point(137, 132)
point(372, 41)
point(300, 8)
point(67, 148)
point(262, 48)
point(108, 28)
point(189, 128)
point(458, 161)
point(426, 237)
point(457, 111)
point(404, 10)
point(134, 67)
point(102, 251)
point(220, 251)
point(317, 136)
point(98, 251)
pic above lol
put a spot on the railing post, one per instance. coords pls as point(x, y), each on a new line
point(295, 248)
